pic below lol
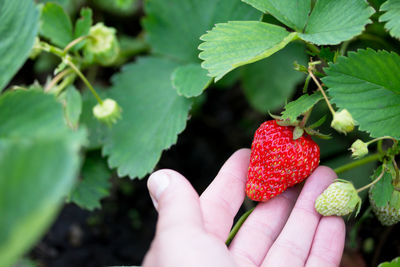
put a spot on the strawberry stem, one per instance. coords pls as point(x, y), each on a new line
point(322, 91)
point(358, 163)
point(56, 79)
point(83, 78)
point(374, 182)
point(237, 226)
point(75, 42)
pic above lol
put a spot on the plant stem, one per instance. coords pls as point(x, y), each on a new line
point(237, 226)
point(344, 46)
point(322, 91)
point(83, 78)
point(357, 163)
point(305, 118)
point(374, 182)
point(56, 79)
point(51, 49)
point(74, 42)
point(313, 48)
point(381, 138)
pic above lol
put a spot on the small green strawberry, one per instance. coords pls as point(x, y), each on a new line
point(339, 199)
point(343, 121)
point(359, 149)
point(390, 213)
point(109, 112)
point(102, 46)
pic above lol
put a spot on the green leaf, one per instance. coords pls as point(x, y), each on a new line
point(38, 115)
point(56, 25)
point(300, 106)
point(391, 17)
point(18, 29)
point(39, 160)
point(236, 43)
point(270, 82)
point(173, 27)
point(153, 115)
point(383, 189)
point(190, 80)
point(367, 84)
point(82, 25)
point(332, 22)
point(94, 185)
point(72, 102)
point(291, 13)
point(394, 263)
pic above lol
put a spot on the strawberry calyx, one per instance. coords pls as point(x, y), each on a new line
point(299, 127)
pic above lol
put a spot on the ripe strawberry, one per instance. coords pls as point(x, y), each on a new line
point(390, 213)
point(277, 161)
point(339, 199)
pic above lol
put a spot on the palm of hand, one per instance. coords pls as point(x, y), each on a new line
point(284, 231)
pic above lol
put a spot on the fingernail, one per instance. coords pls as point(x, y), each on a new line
point(157, 184)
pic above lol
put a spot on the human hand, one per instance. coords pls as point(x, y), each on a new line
point(284, 231)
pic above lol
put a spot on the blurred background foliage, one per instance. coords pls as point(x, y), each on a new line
point(109, 220)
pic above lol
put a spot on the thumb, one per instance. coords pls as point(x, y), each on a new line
point(175, 199)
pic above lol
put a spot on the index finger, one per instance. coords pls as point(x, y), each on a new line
point(222, 199)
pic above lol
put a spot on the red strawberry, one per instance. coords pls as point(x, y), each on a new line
point(277, 161)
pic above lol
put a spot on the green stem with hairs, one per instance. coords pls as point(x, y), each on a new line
point(357, 163)
point(237, 226)
point(83, 78)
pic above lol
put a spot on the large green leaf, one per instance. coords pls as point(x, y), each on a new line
point(236, 43)
point(30, 114)
point(300, 106)
point(291, 13)
point(394, 263)
point(270, 82)
point(391, 17)
point(334, 21)
point(56, 25)
point(39, 160)
point(368, 85)
point(153, 116)
point(173, 27)
point(190, 80)
point(18, 28)
point(94, 185)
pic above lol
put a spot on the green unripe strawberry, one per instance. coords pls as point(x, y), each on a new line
point(343, 121)
point(359, 149)
point(102, 46)
point(390, 213)
point(109, 112)
point(339, 199)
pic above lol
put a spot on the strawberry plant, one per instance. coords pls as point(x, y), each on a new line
point(322, 73)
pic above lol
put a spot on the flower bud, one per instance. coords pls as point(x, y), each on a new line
point(359, 149)
point(343, 121)
point(109, 112)
point(340, 198)
point(102, 45)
